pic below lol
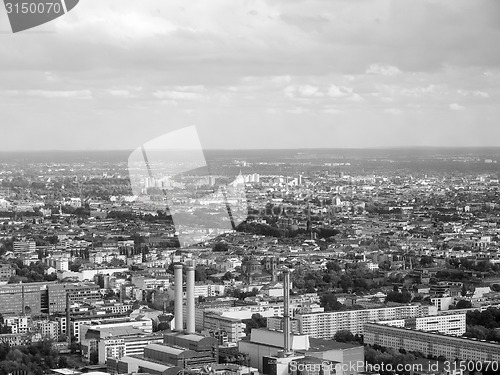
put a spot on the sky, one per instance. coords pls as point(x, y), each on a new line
point(114, 74)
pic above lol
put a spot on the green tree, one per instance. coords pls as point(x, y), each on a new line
point(464, 304)
point(343, 336)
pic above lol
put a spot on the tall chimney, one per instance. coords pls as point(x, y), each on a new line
point(178, 297)
point(286, 314)
point(190, 325)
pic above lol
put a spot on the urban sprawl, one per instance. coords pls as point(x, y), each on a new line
point(298, 262)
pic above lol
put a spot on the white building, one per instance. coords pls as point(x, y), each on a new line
point(326, 324)
point(453, 324)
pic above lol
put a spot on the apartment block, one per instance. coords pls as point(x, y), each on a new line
point(454, 325)
point(325, 324)
point(47, 328)
point(6, 271)
point(78, 293)
point(21, 299)
point(24, 246)
point(19, 324)
point(217, 323)
point(434, 344)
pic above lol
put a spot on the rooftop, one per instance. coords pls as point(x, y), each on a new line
point(325, 345)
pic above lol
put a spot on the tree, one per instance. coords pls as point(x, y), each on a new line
point(464, 291)
point(200, 273)
point(343, 336)
point(333, 266)
point(330, 303)
point(399, 297)
point(221, 246)
point(257, 321)
point(426, 260)
point(464, 304)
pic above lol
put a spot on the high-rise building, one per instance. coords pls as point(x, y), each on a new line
point(453, 324)
point(22, 298)
point(78, 293)
point(326, 324)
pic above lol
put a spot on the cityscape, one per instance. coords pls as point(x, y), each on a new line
point(250, 187)
point(347, 262)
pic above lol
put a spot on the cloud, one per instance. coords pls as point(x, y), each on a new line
point(298, 110)
point(475, 93)
point(73, 94)
point(393, 111)
point(306, 23)
point(456, 107)
point(231, 65)
point(339, 91)
point(385, 70)
point(177, 95)
point(421, 91)
point(302, 91)
point(333, 111)
point(121, 93)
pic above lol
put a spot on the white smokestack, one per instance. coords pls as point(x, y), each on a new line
point(190, 320)
point(178, 297)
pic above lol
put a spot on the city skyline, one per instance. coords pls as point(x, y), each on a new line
point(255, 75)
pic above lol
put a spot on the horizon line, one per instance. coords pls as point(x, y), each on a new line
point(259, 149)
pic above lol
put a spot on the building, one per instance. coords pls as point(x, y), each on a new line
point(6, 272)
point(350, 357)
point(115, 342)
point(433, 344)
point(443, 303)
point(264, 346)
point(276, 323)
point(264, 343)
point(13, 339)
point(24, 246)
point(47, 328)
point(79, 324)
point(136, 364)
point(19, 324)
point(233, 328)
point(453, 324)
point(78, 293)
point(326, 324)
point(22, 298)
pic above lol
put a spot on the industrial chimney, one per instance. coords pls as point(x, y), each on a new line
point(286, 314)
point(190, 316)
point(178, 297)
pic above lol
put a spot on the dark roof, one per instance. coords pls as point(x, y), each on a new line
point(324, 345)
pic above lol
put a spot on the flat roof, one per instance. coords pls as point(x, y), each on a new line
point(316, 344)
point(166, 349)
point(65, 371)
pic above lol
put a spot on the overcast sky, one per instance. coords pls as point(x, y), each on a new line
point(112, 74)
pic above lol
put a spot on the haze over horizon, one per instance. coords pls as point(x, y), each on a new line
point(111, 75)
